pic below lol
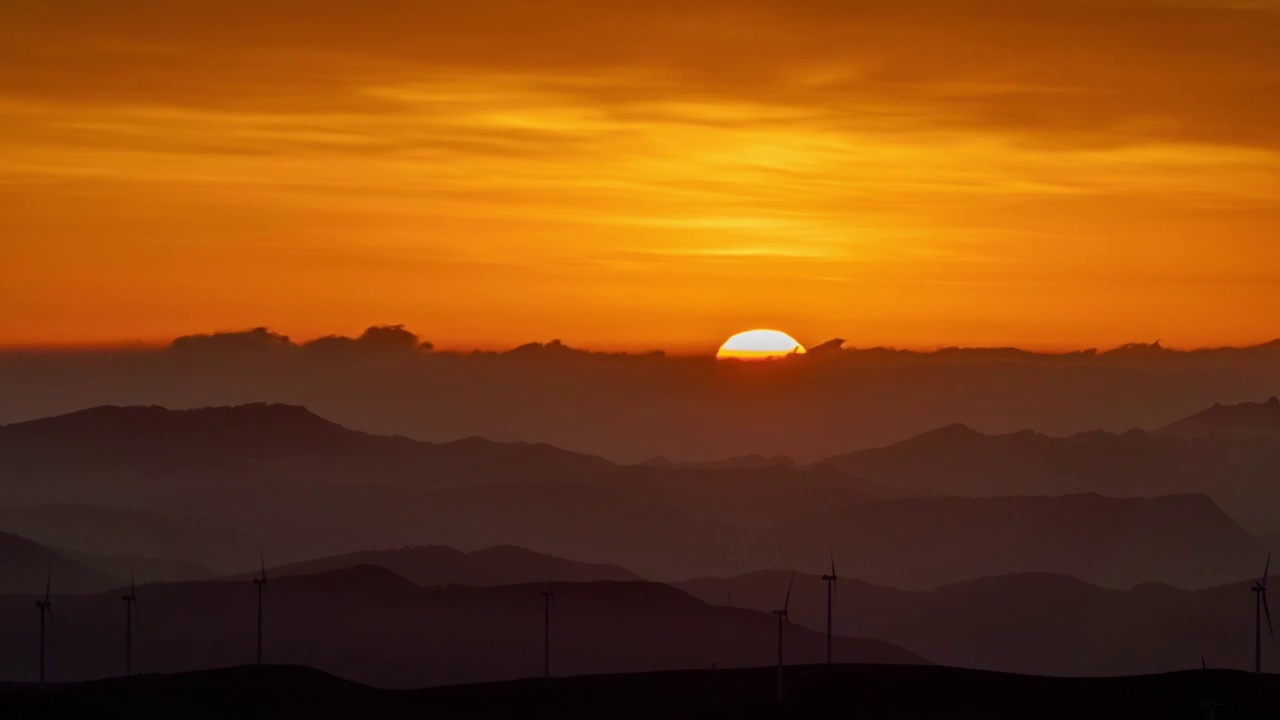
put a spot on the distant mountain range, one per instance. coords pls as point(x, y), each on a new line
point(368, 624)
point(115, 455)
point(1026, 623)
point(1243, 421)
point(218, 486)
point(1203, 454)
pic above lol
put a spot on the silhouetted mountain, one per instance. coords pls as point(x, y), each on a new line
point(1029, 622)
point(439, 565)
point(955, 460)
point(282, 478)
point(25, 566)
point(742, 462)
point(1243, 421)
point(1183, 540)
point(815, 691)
point(117, 455)
point(96, 529)
point(366, 623)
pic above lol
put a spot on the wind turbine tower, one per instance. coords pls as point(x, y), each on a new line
point(46, 608)
point(547, 598)
point(831, 589)
point(784, 615)
point(261, 582)
point(1259, 607)
point(129, 601)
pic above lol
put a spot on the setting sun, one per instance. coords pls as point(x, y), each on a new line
point(759, 345)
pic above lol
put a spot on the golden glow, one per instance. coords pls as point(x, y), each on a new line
point(491, 173)
point(760, 345)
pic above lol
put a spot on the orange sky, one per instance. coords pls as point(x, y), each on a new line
point(1051, 174)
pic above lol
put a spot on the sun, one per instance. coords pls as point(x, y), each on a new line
point(759, 345)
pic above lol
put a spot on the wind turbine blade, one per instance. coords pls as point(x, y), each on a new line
point(1266, 570)
point(263, 560)
point(1267, 610)
point(786, 604)
point(1203, 665)
point(48, 584)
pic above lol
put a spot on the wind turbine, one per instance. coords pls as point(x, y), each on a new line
point(783, 615)
point(129, 601)
point(46, 608)
point(261, 582)
point(1259, 607)
point(547, 596)
point(831, 588)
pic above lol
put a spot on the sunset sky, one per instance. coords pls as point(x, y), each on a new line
point(632, 175)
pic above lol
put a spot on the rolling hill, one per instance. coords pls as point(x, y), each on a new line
point(955, 460)
point(1243, 421)
point(919, 543)
point(368, 624)
point(1029, 622)
point(880, 692)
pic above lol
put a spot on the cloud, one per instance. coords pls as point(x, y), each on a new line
point(259, 339)
point(376, 338)
point(1079, 71)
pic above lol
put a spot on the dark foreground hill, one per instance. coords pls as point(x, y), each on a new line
point(873, 692)
point(367, 624)
point(1031, 622)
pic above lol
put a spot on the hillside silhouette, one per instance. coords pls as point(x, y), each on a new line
point(924, 692)
point(957, 460)
point(1034, 623)
point(1244, 421)
point(144, 451)
point(368, 624)
point(918, 543)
